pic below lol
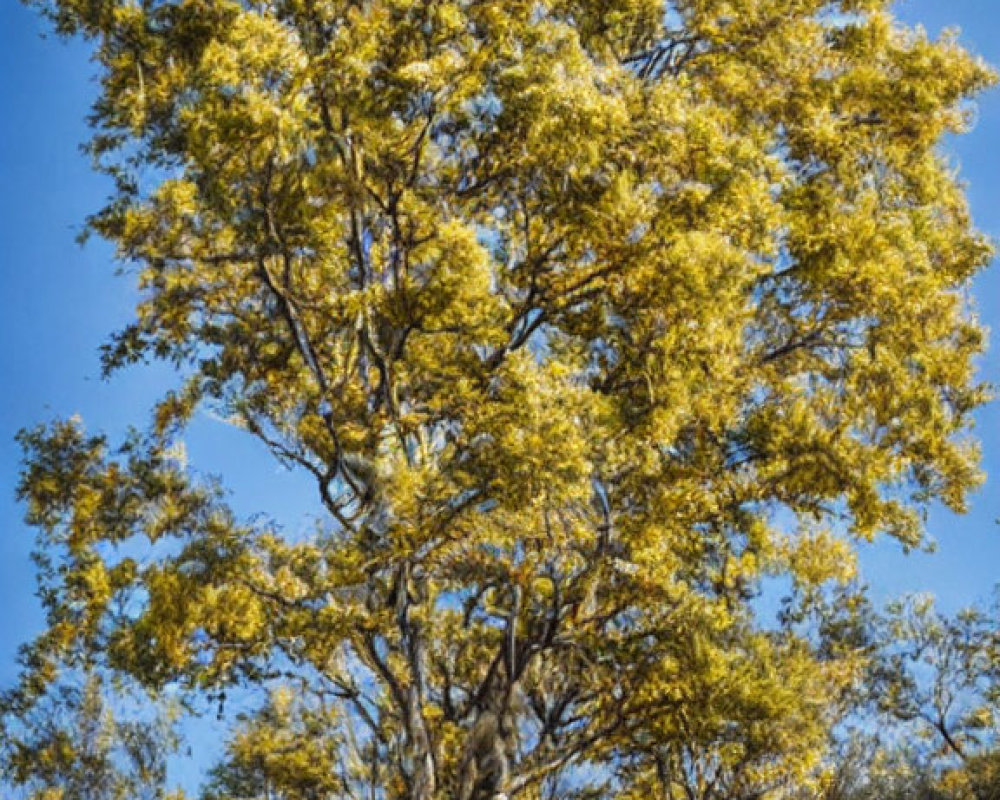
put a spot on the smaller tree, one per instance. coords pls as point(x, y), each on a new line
point(291, 749)
point(761, 729)
point(932, 688)
point(869, 770)
point(942, 675)
point(70, 744)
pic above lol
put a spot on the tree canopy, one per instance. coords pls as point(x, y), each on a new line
point(585, 317)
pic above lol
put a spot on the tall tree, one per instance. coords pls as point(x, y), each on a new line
point(568, 307)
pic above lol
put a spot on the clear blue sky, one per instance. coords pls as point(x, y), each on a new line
point(59, 301)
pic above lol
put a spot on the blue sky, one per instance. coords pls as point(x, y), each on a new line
point(60, 301)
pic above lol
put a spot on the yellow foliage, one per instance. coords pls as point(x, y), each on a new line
point(584, 317)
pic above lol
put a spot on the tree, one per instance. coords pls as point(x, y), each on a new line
point(942, 673)
point(928, 706)
point(567, 307)
point(74, 746)
point(940, 676)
